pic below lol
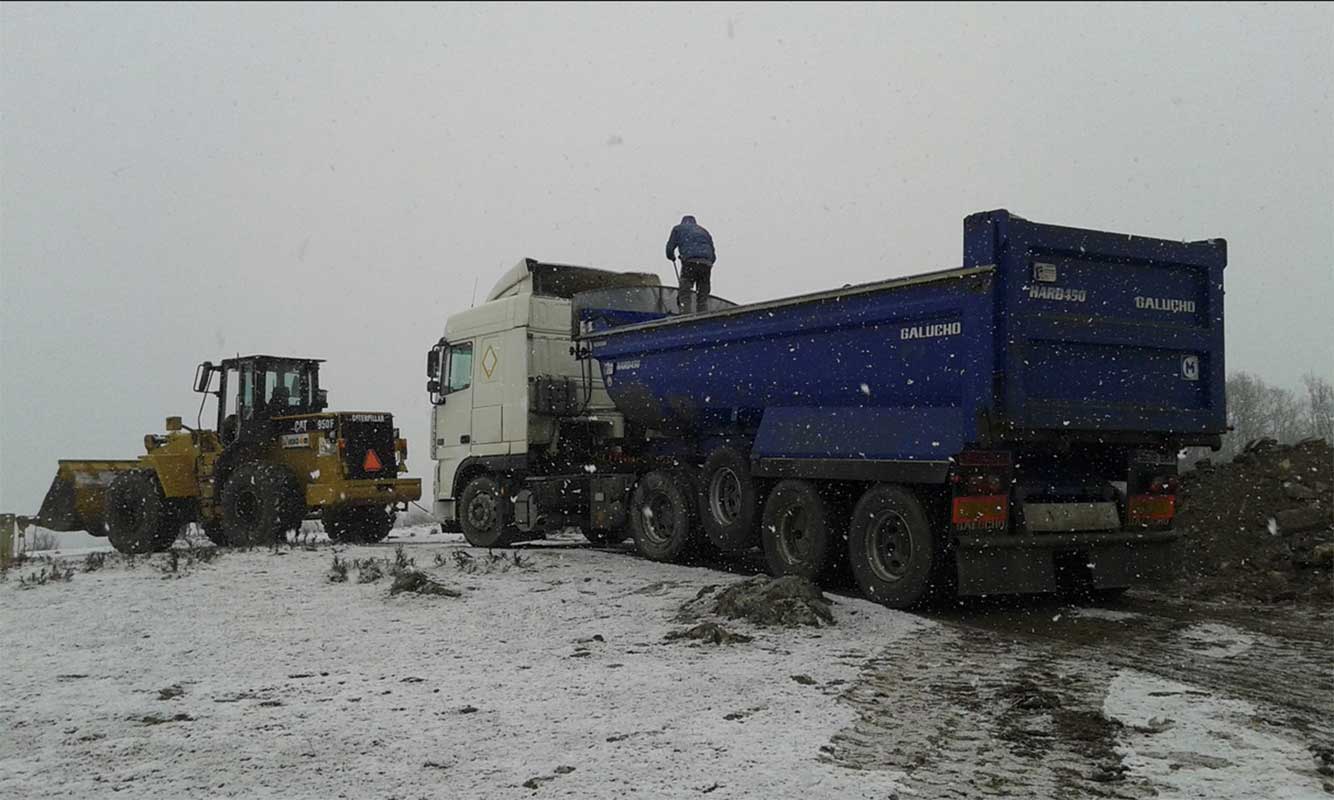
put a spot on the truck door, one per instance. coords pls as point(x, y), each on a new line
point(453, 417)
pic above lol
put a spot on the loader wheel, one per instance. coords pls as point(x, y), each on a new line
point(138, 518)
point(260, 504)
point(797, 532)
point(729, 503)
point(662, 517)
point(357, 524)
point(479, 515)
point(891, 548)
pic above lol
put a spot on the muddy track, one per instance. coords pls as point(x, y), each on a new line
point(1009, 701)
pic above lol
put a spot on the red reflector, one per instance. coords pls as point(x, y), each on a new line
point(372, 462)
point(1152, 507)
point(985, 510)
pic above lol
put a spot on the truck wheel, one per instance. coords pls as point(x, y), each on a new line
point(890, 546)
point(260, 504)
point(795, 531)
point(729, 503)
point(138, 518)
point(365, 524)
point(662, 517)
point(479, 514)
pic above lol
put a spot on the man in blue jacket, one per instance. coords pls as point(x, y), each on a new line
point(697, 257)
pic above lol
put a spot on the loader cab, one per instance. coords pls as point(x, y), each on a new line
point(253, 390)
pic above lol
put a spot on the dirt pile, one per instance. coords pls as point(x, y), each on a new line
point(789, 601)
point(1260, 527)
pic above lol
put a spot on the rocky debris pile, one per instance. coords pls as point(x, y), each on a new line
point(1261, 526)
point(416, 581)
point(709, 633)
point(789, 601)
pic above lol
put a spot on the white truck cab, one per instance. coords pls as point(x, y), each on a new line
point(506, 390)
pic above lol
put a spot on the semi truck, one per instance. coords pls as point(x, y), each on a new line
point(1011, 425)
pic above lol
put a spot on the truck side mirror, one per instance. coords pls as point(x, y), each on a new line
point(433, 362)
point(321, 399)
point(433, 386)
point(203, 376)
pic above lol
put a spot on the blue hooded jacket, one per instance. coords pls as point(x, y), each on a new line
point(693, 241)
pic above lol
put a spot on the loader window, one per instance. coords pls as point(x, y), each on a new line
point(459, 368)
point(286, 388)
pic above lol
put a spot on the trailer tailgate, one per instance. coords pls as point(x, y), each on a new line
point(1103, 332)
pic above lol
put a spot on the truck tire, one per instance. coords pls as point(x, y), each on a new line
point(891, 547)
point(662, 517)
point(139, 519)
point(796, 531)
point(357, 524)
point(729, 502)
point(260, 504)
point(479, 514)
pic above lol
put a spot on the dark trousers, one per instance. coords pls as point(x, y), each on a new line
point(694, 275)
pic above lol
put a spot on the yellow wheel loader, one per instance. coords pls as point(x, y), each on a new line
point(275, 458)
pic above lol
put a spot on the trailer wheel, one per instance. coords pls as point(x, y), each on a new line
point(260, 504)
point(479, 514)
point(796, 531)
point(729, 503)
point(138, 517)
point(890, 546)
point(357, 524)
point(661, 517)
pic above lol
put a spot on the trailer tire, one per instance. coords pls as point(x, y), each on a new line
point(662, 517)
point(729, 501)
point(891, 547)
point(139, 519)
point(797, 531)
point(479, 514)
point(260, 504)
point(357, 524)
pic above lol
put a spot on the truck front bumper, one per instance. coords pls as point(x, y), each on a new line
point(363, 493)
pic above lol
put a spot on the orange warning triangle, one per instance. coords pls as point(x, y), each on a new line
point(372, 462)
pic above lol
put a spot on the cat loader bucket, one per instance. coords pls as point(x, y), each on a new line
point(77, 495)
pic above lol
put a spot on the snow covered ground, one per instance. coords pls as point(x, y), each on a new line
point(255, 676)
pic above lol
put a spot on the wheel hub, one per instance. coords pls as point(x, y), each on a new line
point(793, 543)
point(725, 496)
point(659, 518)
point(482, 512)
point(889, 546)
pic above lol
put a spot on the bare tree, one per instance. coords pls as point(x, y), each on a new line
point(1319, 407)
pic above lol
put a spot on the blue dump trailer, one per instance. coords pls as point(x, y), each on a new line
point(1009, 426)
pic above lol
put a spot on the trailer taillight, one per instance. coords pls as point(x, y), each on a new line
point(1151, 509)
point(981, 511)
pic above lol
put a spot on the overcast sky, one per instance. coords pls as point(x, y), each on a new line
point(182, 183)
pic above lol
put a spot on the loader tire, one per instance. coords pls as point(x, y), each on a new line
point(662, 517)
point(480, 517)
point(891, 547)
point(799, 532)
point(729, 502)
point(139, 519)
point(260, 504)
point(357, 524)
